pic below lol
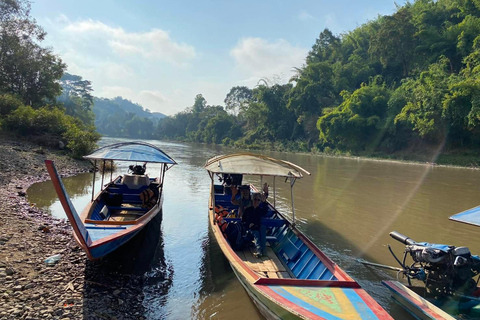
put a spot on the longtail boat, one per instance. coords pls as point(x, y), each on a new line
point(123, 206)
point(294, 279)
point(440, 280)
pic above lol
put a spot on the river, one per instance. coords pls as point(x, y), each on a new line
point(347, 207)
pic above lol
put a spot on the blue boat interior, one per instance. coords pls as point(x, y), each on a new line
point(121, 202)
point(287, 255)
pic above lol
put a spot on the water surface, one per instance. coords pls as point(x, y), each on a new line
point(347, 207)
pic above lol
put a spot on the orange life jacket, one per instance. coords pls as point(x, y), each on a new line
point(148, 198)
point(221, 211)
point(222, 224)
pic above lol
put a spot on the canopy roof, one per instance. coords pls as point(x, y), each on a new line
point(253, 164)
point(471, 216)
point(131, 151)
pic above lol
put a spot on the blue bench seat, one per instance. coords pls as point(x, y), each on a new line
point(128, 208)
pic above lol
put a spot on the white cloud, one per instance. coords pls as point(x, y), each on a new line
point(118, 71)
point(154, 100)
point(132, 65)
point(155, 44)
point(304, 16)
point(257, 58)
point(63, 19)
point(115, 91)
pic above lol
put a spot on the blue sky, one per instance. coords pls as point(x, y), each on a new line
point(161, 54)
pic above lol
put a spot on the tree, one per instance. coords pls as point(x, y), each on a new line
point(424, 103)
point(237, 99)
point(199, 104)
point(76, 97)
point(395, 41)
point(26, 69)
point(313, 93)
point(360, 121)
point(325, 48)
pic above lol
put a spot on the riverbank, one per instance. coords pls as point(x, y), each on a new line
point(74, 287)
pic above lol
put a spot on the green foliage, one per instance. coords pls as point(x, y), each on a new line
point(8, 103)
point(400, 83)
point(28, 122)
point(119, 117)
point(359, 122)
point(238, 99)
point(81, 141)
point(424, 102)
point(395, 41)
point(76, 97)
point(26, 69)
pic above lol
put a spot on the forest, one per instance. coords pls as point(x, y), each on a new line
point(39, 101)
point(402, 85)
point(397, 85)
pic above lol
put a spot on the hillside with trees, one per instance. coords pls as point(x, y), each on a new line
point(402, 84)
point(30, 83)
point(119, 117)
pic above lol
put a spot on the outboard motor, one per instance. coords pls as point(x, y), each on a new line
point(443, 269)
point(138, 170)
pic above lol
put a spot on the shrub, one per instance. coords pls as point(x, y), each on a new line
point(8, 103)
point(81, 142)
point(51, 121)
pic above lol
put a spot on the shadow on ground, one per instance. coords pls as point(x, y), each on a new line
point(114, 285)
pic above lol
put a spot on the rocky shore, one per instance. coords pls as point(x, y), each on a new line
point(72, 288)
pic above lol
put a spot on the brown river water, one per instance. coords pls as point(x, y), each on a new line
point(347, 207)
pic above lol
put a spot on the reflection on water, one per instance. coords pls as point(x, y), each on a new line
point(347, 207)
point(79, 188)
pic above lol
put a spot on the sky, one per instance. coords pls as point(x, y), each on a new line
point(161, 54)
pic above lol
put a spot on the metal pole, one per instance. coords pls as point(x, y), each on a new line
point(160, 173)
point(111, 170)
point(94, 171)
point(274, 195)
point(103, 174)
point(163, 172)
point(292, 182)
point(384, 266)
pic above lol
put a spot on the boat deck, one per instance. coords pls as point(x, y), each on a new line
point(268, 266)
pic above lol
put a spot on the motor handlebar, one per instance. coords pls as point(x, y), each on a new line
point(401, 238)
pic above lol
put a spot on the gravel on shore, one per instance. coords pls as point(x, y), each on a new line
point(73, 288)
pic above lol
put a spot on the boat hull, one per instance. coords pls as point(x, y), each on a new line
point(422, 308)
point(341, 298)
point(99, 237)
point(109, 243)
point(415, 304)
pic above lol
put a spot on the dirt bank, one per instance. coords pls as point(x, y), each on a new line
point(74, 288)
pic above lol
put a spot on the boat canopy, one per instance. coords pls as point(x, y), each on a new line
point(131, 151)
point(471, 216)
point(253, 164)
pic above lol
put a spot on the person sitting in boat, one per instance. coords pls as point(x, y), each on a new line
point(251, 220)
point(244, 201)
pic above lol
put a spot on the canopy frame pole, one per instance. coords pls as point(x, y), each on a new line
point(103, 174)
point(292, 182)
point(160, 174)
point(212, 190)
point(163, 174)
point(93, 184)
point(274, 193)
point(111, 170)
